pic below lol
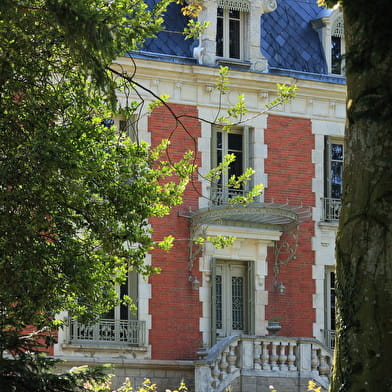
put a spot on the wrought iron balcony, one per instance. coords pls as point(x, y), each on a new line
point(221, 195)
point(108, 332)
point(331, 209)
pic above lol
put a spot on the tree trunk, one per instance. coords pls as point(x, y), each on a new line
point(363, 354)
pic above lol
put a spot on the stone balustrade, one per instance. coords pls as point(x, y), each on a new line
point(262, 356)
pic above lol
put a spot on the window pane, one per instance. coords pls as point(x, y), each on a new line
point(236, 166)
point(336, 55)
point(219, 33)
point(124, 312)
point(234, 14)
point(235, 147)
point(336, 179)
point(235, 142)
point(337, 152)
point(234, 44)
point(219, 140)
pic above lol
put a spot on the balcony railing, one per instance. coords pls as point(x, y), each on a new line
point(331, 209)
point(221, 195)
point(330, 339)
point(262, 356)
point(109, 332)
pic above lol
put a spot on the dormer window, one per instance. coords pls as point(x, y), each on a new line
point(233, 34)
point(331, 32)
point(230, 34)
point(337, 46)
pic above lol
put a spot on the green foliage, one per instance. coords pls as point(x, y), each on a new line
point(218, 241)
point(222, 81)
point(329, 3)
point(147, 386)
point(26, 370)
point(76, 193)
point(194, 29)
point(158, 102)
point(285, 94)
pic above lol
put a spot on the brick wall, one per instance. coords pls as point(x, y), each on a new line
point(174, 306)
point(290, 171)
point(31, 329)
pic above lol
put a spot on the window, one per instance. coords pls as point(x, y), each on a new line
point(222, 143)
point(128, 127)
point(337, 46)
point(334, 155)
point(331, 32)
point(230, 33)
point(330, 319)
point(119, 326)
point(232, 298)
point(336, 55)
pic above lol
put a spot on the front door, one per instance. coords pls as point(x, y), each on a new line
point(231, 299)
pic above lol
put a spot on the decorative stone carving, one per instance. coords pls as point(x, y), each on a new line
point(269, 5)
point(237, 5)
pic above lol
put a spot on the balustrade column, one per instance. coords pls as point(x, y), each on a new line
point(232, 358)
point(323, 367)
point(223, 365)
point(215, 374)
point(291, 357)
point(283, 356)
point(257, 354)
point(265, 356)
point(315, 360)
point(274, 357)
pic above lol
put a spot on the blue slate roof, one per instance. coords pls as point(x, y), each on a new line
point(171, 41)
point(288, 40)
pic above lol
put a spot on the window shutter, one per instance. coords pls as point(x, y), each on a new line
point(327, 167)
point(213, 301)
point(245, 152)
point(251, 298)
point(214, 161)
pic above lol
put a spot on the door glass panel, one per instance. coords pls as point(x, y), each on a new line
point(230, 298)
point(218, 297)
point(237, 298)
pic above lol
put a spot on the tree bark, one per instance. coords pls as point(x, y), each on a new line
point(363, 354)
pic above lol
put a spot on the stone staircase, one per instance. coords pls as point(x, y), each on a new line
point(253, 363)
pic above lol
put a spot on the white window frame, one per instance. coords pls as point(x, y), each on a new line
point(337, 31)
point(328, 27)
point(112, 331)
point(243, 17)
point(222, 267)
point(330, 310)
point(220, 192)
point(332, 205)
